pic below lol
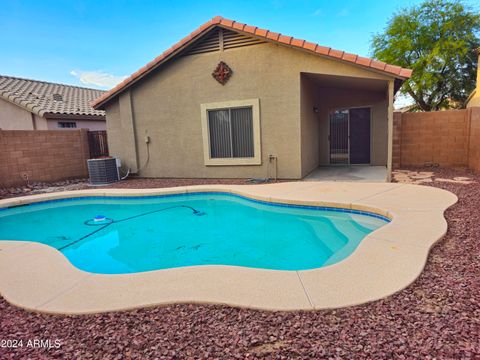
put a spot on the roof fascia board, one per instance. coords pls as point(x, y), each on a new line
point(56, 116)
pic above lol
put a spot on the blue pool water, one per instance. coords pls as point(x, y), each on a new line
point(150, 233)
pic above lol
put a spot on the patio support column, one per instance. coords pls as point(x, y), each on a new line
point(390, 129)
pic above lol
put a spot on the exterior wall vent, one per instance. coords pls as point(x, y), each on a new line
point(232, 39)
point(210, 42)
point(103, 171)
point(221, 39)
point(57, 97)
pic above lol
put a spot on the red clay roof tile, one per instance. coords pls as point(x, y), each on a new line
point(363, 61)
point(380, 65)
point(250, 29)
point(322, 50)
point(336, 53)
point(272, 36)
point(204, 26)
point(261, 32)
point(216, 20)
point(297, 42)
point(238, 26)
point(285, 39)
point(349, 57)
point(227, 22)
point(393, 69)
point(309, 46)
point(405, 72)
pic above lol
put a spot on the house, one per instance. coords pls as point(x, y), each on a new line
point(474, 98)
point(38, 105)
point(235, 101)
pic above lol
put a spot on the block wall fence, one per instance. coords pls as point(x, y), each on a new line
point(444, 138)
point(42, 155)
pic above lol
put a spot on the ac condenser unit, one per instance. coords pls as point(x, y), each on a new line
point(103, 171)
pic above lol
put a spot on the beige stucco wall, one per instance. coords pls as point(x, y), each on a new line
point(474, 101)
point(166, 106)
point(310, 126)
point(13, 117)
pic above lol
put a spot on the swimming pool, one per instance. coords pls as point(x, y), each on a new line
point(118, 235)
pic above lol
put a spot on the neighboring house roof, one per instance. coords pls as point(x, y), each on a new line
point(49, 99)
point(262, 34)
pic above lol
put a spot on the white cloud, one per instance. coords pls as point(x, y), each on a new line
point(98, 78)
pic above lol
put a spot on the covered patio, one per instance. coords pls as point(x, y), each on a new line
point(346, 127)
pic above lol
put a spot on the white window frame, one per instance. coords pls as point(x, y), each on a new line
point(257, 151)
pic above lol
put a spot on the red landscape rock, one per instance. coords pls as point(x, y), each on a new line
point(437, 317)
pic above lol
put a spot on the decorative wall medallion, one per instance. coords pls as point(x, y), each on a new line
point(222, 73)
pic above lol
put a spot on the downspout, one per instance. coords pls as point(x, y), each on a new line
point(34, 123)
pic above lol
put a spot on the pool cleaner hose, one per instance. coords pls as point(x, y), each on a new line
point(103, 222)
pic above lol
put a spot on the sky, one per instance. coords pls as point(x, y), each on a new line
point(98, 43)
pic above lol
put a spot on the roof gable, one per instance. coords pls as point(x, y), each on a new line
point(260, 36)
point(43, 98)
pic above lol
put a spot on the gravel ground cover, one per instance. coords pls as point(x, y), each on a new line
point(437, 317)
point(131, 183)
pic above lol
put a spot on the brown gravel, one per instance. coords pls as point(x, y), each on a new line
point(436, 317)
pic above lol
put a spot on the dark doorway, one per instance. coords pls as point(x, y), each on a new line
point(360, 136)
point(339, 137)
point(350, 136)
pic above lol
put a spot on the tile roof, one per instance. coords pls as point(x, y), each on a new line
point(263, 34)
point(43, 98)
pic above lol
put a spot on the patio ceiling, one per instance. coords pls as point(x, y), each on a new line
point(347, 82)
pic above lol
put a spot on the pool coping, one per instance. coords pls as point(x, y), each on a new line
point(39, 278)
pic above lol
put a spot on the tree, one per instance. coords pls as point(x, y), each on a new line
point(437, 40)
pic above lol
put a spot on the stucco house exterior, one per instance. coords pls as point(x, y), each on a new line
point(235, 101)
point(38, 105)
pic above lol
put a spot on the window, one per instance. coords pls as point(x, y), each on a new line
point(231, 133)
point(67, 124)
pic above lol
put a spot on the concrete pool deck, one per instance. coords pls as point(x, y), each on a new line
point(38, 277)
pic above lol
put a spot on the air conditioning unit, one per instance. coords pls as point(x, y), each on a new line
point(103, 171)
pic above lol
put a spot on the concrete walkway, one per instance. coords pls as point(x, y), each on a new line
point(360, 173)
point(40, 278)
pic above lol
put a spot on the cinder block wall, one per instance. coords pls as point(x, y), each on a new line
point(438, 137)
point(397, 140)
point(42, 155)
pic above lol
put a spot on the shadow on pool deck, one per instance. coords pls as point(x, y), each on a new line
point(360, 173)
